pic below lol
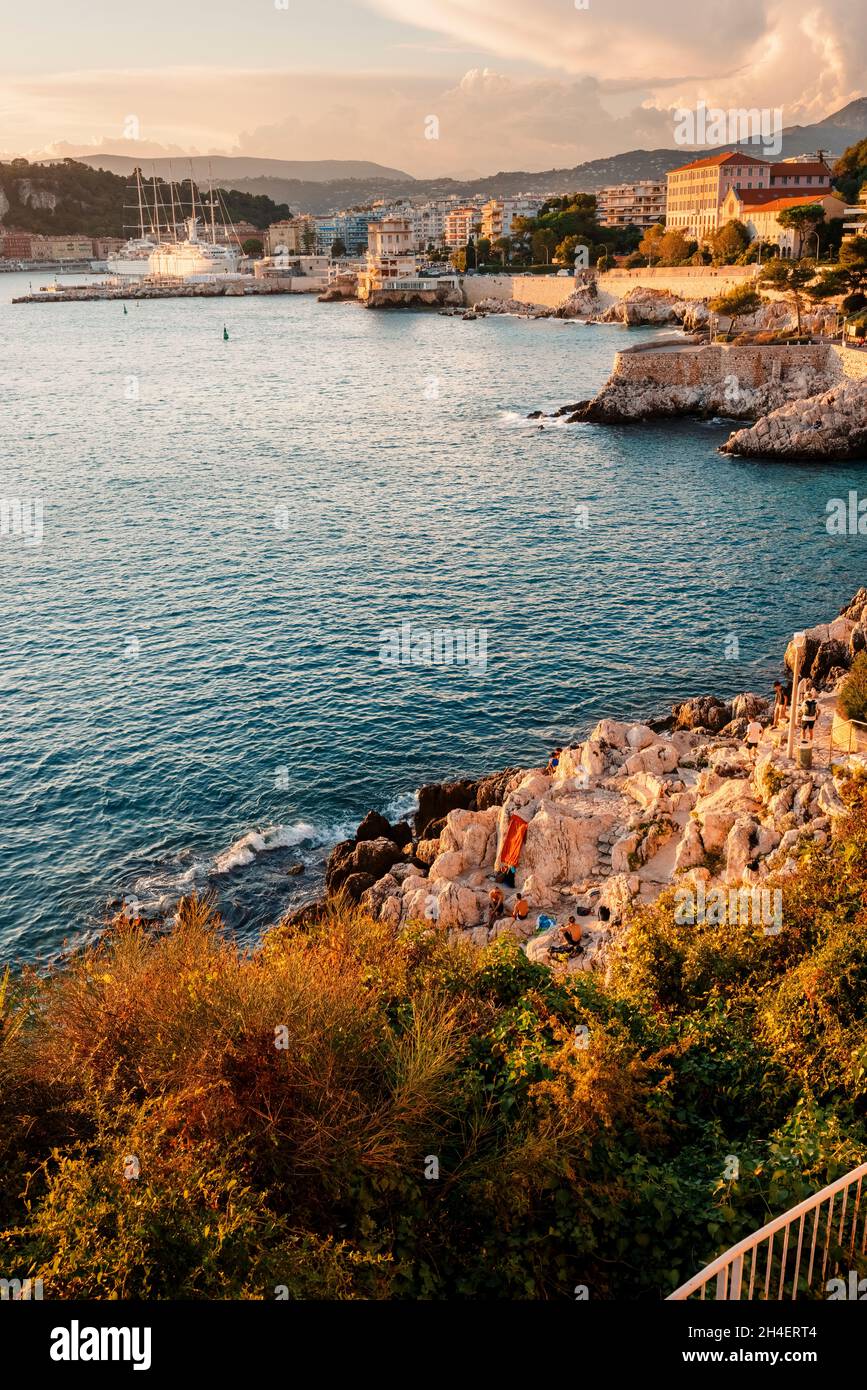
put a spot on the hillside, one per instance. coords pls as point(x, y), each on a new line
point(70, 198)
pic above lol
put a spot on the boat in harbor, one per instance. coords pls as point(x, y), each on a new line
point(192, 257)
point(133, 260)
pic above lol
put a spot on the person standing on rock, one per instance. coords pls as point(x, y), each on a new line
point(781, 702)
point(754, 737)
point(809, 712)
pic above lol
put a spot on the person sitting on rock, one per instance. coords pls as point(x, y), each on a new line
point(521, 910)
point(495, 898)
point(572, 932)
point(554, 760)
point(568, 939)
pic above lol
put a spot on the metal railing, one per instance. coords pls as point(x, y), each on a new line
point(847, 736)
point(792, 1256)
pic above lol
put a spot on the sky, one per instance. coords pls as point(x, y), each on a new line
point(432, 87)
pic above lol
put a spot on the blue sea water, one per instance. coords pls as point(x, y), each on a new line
point(193, 652)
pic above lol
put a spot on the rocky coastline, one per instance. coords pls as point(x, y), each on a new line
point(627, 812)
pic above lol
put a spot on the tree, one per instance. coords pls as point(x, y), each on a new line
point(252, 247)
point(675, 249)
point(729, 243)
point(737, 303)
point(503, 248)
point(650, 243)
point(564, 253)
point(803, 221)
point(470, 255)
point(483, 250)
point(543, 242)
point(459, 259)
point(338, 247)
point(791, 278)
point(308, 239)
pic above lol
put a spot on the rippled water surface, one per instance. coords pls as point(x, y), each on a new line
point(193, 652)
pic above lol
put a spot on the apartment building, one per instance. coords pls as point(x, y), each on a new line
point(639, 204)
point(498, 214)
point(292, 236)
point(458, 226)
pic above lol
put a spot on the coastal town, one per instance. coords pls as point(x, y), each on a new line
point(403, 252)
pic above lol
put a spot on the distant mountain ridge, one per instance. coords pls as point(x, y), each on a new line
point(224, 167)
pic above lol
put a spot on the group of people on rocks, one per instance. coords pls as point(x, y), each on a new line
point(568, 940)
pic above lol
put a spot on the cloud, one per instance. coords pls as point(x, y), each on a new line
point(805, 56)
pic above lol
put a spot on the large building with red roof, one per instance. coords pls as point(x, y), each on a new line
point(697, 190)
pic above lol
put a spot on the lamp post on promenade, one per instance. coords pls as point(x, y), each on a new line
point(800, 644)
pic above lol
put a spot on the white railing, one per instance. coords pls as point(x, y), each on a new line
point(792, 1256)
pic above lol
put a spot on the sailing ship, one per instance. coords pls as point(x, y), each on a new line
point(192, 258)
point(171, 247)
point(132, 261)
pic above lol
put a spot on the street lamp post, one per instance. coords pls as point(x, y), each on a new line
point(800, 644)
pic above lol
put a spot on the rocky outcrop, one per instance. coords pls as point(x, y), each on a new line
point(830, 426)
point(629, 810)
point(644, 306)
point(436, 799)
point(706, 382)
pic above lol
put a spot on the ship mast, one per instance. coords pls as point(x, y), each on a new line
point(211, 196)
point(140, 206)
point(174, 214)
point(156, 207)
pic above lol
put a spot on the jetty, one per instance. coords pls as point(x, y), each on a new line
point(218, 287)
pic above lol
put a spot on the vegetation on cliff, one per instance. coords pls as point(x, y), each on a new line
point(346, 1114)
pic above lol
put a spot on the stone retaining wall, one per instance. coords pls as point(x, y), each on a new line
point(702, 366)
point(686, 281)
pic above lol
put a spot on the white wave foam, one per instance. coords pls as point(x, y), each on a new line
point(401, 807)
point(255, 842)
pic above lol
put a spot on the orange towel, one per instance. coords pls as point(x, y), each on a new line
point(513, 843)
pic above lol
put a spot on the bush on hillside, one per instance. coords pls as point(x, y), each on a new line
point(345, 1113)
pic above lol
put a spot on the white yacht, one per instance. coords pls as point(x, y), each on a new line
point(133, 260)
point(181, 260)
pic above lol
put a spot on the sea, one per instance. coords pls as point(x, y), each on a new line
point(255, 585)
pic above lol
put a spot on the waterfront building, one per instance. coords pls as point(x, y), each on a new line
point(697, 190)
point(759, 209)
point(639, 204)
point(68, 248)
point(390, 254)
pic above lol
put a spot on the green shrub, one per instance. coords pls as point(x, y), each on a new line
point(852, 699)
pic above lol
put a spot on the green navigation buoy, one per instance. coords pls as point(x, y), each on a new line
point(225, 334)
